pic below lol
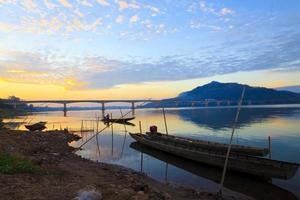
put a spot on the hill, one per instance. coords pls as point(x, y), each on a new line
point(292, 88)
point(229, 94)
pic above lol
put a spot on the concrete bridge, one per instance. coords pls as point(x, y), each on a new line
point(158, 103)
point(102, 102)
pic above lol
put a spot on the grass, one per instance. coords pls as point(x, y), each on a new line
point(13, 164)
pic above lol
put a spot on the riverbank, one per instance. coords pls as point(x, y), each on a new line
point(57, 173)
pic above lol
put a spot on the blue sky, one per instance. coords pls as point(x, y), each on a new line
point(100, 44)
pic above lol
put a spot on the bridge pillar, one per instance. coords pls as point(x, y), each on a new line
point(103, 109)
point(228, 103)
point(176, 103)
point(65, 109)
point(15, 105)
point(206, 103)
point(193, 103)
point(132, 108)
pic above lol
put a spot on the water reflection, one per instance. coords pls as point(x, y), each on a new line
point(220, 118)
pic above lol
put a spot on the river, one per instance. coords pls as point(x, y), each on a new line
point(255, 124)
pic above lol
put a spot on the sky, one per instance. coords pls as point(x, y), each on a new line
point(136, 49)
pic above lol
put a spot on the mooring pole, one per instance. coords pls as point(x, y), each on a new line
point(270, 153)
point(112, 137)
point(229, 146)
point(140, 124)
point(165, 121)
point(166, 172)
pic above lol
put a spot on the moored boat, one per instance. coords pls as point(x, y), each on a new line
point(117, 120)
point(37, 126)
point(216, 146)
point(257, 166)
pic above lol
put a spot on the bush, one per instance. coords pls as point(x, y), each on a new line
point(12, 164)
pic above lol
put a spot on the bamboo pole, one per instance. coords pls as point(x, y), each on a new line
point(140, 124)
point(270, 152)
point(142, 159)
point(229, 146)
point(124, 123)
point(112, 137)
point(166, 172)
point(166, 127)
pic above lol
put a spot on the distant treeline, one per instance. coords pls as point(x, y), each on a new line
point(14, 103)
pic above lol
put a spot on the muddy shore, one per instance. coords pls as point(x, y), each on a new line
point(61, 174)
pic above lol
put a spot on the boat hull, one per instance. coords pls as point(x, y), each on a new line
point(241, 163)
point(216, 146)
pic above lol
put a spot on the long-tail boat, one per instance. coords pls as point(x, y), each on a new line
point(251, 186)
point(217, 146)
point(121, 120)
point(257, 166)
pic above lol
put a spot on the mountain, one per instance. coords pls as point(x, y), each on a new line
point(229, 94)
point(292, 88)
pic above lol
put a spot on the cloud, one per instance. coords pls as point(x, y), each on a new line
point(134, 19)
point(65, 3)
point(280, 52)
point(49, 5)
point(103, 2)
point(119, 19)
point(124, 5)
point(226, 11)
point(29, 5)
point(85, 3)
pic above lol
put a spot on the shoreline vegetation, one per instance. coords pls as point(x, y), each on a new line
point(41, 165)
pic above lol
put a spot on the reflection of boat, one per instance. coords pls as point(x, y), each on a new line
point(37, 126)
point(256, 188)
point(241, 163)
point(120, 121)
point(214, 146)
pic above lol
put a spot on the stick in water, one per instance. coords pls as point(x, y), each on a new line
point(165, 121)
point(229, 146)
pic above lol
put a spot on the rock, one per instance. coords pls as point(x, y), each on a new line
point(89, 194)
point(167, 196)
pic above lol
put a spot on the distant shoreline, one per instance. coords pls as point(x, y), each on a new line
point(170, 108)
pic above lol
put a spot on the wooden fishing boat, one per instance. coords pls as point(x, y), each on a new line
point(240, 163)
point(117, 120)
point(249, 185)
point(217, 146)
point(37, 126)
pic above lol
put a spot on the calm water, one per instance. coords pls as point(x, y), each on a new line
point(255, 125)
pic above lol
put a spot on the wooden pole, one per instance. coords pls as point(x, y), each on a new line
point(229, 146)
point(166, 127)
point(124, 123)
point(142, 159)
point(112, 137)
point(166, 172)
point(140, 124)
point(270, 152)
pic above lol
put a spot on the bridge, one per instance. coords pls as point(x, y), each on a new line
point(158, 103)
point(102, 102)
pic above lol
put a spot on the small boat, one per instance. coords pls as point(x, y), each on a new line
point(262, 167)
point(37, 126)
point(117, 120)
point(217, 146)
